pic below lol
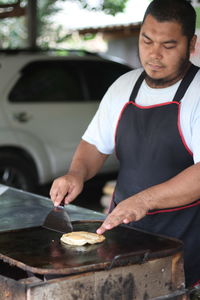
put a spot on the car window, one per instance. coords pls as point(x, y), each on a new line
point(47, 81)
point(99, 75)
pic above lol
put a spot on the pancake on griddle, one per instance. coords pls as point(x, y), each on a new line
point(80, 238)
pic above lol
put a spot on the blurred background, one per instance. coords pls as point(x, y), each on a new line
point(93, 25)
point(49, 50)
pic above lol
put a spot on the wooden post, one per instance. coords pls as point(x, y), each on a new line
point(32, 24)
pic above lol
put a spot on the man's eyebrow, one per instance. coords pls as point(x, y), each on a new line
point(170, 42)
point(164, 42)
point(143, 34)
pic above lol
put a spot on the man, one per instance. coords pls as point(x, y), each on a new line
point(151, 117)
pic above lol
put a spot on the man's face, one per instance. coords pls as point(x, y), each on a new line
point(164, 52)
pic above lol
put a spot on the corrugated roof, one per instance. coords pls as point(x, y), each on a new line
point(130, 27)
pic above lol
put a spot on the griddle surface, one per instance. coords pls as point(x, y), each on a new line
point(40, 251)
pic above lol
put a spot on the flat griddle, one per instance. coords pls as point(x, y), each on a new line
point(39, 250)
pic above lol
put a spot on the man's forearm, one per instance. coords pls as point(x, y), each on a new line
point(180, 190)
point(87, 161)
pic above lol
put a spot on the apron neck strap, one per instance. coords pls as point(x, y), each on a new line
point(137, 87)
point(187, 79)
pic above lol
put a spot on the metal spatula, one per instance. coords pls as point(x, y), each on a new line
point(58, 220)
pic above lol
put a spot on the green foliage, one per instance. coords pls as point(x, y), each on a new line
point(13, 31)
point(89, 36)
point(45, 9)
point(114, 6)
point(111, 7)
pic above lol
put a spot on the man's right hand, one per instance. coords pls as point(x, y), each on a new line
point(66, 188)
point(86, 162)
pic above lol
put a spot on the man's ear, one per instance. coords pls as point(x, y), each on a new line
point(193, 43)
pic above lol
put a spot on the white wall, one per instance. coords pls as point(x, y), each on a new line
point(126, 49)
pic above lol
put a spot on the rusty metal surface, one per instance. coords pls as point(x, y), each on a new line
point(177, 269)
point(135, 282)
point(151, 280)
point(122, 268)
point(177, 295)
point(39, 250)
point(11, 290)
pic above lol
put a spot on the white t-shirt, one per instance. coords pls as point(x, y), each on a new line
point(101, 130)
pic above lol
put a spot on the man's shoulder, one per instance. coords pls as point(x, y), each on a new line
point(195, 84)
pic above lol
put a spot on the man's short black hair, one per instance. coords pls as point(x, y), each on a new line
point(180, 11)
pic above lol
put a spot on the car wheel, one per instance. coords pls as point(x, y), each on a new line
point(17, 172)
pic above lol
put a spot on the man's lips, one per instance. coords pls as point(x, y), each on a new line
point(154, 66)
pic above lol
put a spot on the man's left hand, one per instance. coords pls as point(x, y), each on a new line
point(129, 210)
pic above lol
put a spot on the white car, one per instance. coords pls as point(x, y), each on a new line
point(46, 103)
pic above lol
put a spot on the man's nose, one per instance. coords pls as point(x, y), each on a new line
point(156, 52)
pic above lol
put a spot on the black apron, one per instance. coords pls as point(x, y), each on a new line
point(151, 149)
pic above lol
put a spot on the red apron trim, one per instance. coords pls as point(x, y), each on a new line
point(151, 106)
point(174, 209)
point(119, 118)
point(112, 202)
point(196, 283)
point(180, 131)
point(139, 106)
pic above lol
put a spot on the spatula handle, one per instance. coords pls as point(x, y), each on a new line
point(62, 203)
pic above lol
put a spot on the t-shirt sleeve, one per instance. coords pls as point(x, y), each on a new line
point(100, 131)
point(196, 135)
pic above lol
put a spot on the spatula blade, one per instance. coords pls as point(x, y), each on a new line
point(58, 220)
